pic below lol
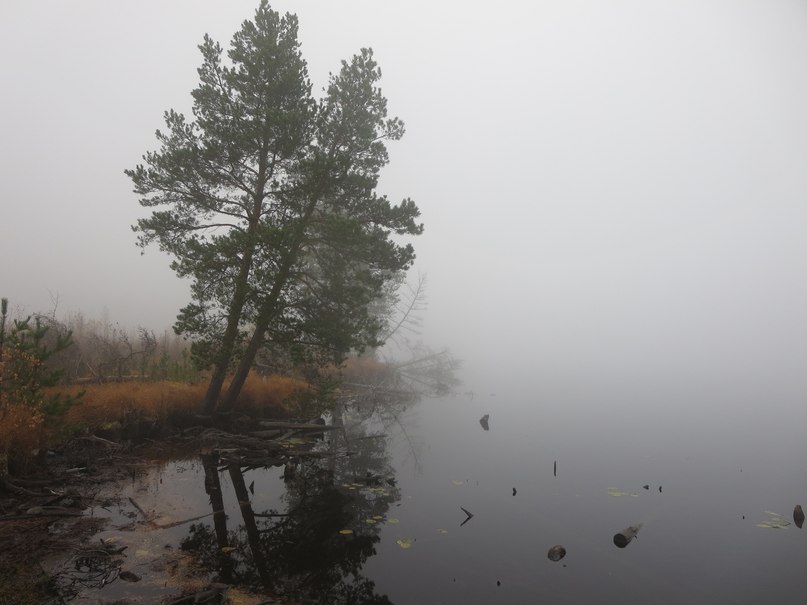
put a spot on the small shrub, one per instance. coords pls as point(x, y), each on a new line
point(26, 405)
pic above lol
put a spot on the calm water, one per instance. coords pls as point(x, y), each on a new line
point(713, 477)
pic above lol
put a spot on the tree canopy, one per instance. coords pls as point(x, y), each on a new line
point(267, 201)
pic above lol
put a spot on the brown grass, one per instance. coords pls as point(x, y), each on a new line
point(161, 401)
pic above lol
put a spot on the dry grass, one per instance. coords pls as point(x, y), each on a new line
point(103, 404)
point(108, 403)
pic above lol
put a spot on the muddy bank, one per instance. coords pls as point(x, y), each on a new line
point(76, 532)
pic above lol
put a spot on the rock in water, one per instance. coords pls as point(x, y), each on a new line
point(556, 553)
point(484, 422)
point(798, 516)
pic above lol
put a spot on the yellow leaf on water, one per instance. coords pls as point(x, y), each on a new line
point(226, 549)
point(613, 491)
point(345, 532)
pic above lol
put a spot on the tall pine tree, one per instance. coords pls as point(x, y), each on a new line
point(267, 201)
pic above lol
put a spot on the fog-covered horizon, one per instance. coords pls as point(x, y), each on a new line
point(613, 193)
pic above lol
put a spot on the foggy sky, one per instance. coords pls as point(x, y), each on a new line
point(613, 192)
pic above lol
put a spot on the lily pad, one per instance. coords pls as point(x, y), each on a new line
point(345, 532)
point(393, 520)
point(405, 542)
point(457, 482)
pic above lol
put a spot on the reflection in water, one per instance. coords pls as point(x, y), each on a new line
point(345, 482)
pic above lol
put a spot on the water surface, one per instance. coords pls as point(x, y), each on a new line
point(385, 524)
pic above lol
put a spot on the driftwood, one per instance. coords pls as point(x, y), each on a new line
point(203, 596)
point(140, 510)
point(10, 485)
point(298, 426)
point(101, 441)
point(43, 511)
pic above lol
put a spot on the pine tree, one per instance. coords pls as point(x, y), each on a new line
point(267, 201)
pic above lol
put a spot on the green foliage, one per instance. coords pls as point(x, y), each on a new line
point(25, 350)
point(266, 200)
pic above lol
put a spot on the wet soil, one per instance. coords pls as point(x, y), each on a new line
point(49, 546)
point(44, 523)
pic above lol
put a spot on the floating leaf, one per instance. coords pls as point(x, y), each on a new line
point(345, 532)
point(378, 517)
point(295, 441)
point(371, 521)
point(442, 531)
point(457, 482)
point(405, 542)
point(616, 492)
point(776, 521)
point(226, 549)
point(393, 520)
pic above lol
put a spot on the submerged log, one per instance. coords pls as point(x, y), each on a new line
point(623, 538)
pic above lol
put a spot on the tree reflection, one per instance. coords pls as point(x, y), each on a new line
point(345, 483)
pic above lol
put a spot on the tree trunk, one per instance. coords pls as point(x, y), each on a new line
point(244, 367)
point(268, 309)
point(225, 352)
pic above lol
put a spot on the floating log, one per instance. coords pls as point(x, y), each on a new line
point(623, 538)
point(798, 516)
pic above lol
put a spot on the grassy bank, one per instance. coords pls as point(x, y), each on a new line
point(133, 410)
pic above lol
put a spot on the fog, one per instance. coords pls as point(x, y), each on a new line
point(613, 192)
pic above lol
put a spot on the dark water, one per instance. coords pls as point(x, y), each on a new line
point(569, 471)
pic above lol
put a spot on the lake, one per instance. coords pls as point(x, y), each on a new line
point(713, 487)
